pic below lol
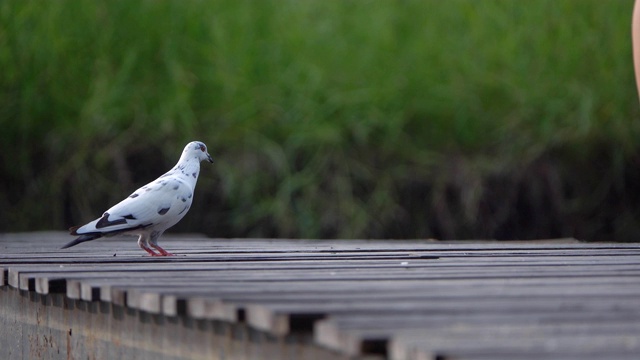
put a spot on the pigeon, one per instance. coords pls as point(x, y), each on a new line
point(153, 208)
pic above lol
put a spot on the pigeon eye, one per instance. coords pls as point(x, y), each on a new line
point(202, 148)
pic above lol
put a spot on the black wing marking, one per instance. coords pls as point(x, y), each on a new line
point(96, 235)
point(104, 221)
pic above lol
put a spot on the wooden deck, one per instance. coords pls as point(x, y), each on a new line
point(345, 299)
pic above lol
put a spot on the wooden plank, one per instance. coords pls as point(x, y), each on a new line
point(465, 331)
point(50, 285)
point(327, 333)
point(302, 293)
point(265, 319)
point(220, 288)
point(363, 297)
point(507, 340)
point(352, 271)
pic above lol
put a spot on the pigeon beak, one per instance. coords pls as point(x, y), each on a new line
point(209, 158)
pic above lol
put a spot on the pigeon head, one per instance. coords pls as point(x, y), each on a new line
point(197, 149)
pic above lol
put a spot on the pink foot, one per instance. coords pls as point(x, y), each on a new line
point(151, 252)
point(162, 251)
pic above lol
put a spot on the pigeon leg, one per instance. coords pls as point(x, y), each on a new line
point(142, 240)
point(162, 251)
point(151, 252)
point(153, 242)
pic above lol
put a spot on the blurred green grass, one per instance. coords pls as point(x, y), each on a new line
point(452, 119)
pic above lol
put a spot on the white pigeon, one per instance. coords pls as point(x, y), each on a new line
point(153, 208)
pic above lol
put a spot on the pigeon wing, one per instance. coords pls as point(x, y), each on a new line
point(161, 203)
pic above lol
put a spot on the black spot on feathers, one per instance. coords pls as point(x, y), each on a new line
point(134, 195)
point(163, 210)
point(130, 217)
point(194, 174)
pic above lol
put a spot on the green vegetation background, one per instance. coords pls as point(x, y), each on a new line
point(450, 119)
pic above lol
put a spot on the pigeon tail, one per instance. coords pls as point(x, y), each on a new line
point(81, 239)
point(74, 230)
